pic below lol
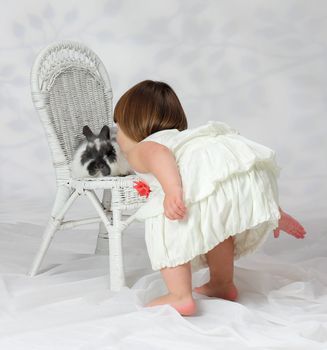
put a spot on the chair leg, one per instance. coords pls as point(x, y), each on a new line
point(62, 195)
point(102, 246)
point(53, 224)
point(117, 276)
point(116, 253)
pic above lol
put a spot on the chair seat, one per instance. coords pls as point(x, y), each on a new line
point(122, 185)
point(103, 182)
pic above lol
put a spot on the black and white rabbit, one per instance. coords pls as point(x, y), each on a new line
point(99, 156)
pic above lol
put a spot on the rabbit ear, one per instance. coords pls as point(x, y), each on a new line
point(88, 133)
point(105, 133)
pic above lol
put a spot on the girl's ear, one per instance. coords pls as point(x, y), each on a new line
point(88, 133)
point(105, 133)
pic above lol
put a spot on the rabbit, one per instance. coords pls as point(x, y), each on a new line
point(99, 156)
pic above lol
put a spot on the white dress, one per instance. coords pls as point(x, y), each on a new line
point(230, 189)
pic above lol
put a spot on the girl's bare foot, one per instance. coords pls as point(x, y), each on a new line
point(186, 306)
point(290, 225)
point(226, 291)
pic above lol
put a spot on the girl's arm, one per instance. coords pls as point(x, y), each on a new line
point(152, 157)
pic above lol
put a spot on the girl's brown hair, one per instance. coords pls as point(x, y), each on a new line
point(147, 107)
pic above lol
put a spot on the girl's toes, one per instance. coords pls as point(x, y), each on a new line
point(300, 233)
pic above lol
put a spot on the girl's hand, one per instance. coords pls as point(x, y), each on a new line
point(174, 205)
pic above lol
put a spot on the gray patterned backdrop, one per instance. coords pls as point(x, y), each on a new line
point(258, 65)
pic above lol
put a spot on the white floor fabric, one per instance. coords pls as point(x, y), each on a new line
point(282, 292)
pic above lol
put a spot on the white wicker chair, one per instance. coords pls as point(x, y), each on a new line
point(71, 88)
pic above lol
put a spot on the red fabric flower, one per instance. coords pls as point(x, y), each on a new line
point(142, 188)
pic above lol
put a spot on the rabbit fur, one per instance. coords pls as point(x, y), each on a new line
point(99, 156)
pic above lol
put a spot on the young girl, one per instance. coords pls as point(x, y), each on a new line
point(213, 193)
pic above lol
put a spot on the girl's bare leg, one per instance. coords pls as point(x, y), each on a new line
point(221, 267)
point(221, 261)
point(179, 283)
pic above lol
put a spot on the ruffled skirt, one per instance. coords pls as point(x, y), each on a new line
point(245, 206)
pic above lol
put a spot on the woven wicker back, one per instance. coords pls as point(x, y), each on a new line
point(71, 88)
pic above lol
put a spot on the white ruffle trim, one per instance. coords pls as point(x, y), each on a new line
point(199, 260)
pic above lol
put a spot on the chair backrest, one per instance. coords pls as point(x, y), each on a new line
point(70, 88)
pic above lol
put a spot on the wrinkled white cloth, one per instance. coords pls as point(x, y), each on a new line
point(230, 189)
